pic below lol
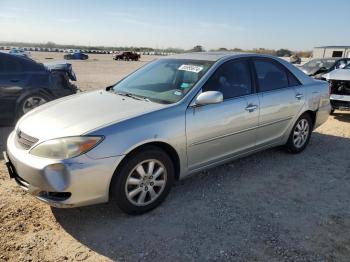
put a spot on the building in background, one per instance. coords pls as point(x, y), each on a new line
point(331, 51)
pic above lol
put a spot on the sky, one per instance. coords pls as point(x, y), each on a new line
point(246, 24)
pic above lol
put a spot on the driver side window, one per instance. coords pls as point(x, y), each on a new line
point(232, 79)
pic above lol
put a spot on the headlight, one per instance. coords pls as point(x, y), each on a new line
point(67, 147)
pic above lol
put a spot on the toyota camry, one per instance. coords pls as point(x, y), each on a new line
point(175, 116)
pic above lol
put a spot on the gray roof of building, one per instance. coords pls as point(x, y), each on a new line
point(334, 46)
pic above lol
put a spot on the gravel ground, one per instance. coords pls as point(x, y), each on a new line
point(271, 206)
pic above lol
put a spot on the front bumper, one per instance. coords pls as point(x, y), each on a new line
point(73, 182)
point(340, 101)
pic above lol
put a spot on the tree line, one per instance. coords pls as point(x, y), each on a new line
point(197, 48)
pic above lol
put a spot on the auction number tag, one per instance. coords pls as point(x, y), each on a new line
point(191, 68)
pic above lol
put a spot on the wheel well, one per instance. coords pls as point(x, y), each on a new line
point(312, 114)
point(165, 147)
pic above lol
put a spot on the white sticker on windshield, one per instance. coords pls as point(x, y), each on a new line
point(191, 68)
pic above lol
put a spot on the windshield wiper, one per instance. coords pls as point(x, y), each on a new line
point(133, 96)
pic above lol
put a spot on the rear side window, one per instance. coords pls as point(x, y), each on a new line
point(10, 65)
point(232, 79)
point(270, 76)
point(31, 66)
point(293, 81)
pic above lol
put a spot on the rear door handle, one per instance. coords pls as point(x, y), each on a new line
point(14, 80)
point(251, 108)
point(299, 96)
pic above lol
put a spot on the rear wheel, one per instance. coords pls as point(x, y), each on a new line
point(300, 134)
point(143, 181)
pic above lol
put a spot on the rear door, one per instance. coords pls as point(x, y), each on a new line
point(281, 98)
point(218, 131)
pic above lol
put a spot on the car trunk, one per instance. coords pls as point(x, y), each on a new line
point(61, 75)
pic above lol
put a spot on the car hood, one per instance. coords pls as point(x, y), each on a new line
point(309, 71)
point(338, 74)
point(78, 114)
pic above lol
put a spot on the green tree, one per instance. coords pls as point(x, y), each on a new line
point(283, 52)
point(197, 48)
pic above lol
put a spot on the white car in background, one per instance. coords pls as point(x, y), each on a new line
point(339, 82)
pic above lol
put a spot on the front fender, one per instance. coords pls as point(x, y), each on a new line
point(166, 126)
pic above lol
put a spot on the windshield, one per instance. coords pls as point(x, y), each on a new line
point(164, 80)
point(318, 63)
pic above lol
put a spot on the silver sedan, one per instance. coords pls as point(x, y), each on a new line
point(173, 117)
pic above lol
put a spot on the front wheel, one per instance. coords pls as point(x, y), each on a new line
point(30, 102)
point(143, 181)
point(300, 134)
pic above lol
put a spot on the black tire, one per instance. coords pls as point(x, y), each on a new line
point(118, 188)
point(20, 108)
point(291, 145)
point(332, 111)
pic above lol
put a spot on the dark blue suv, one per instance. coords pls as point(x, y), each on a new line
point(26, 84)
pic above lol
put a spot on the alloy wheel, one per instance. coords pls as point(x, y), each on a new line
point(146, 182)
point(32, 102)
point(301, 133)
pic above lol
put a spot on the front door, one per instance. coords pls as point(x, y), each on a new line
point(218, 131)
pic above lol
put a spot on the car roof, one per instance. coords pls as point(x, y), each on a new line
point(215, 56)
point(16, 57)
point(207, 56)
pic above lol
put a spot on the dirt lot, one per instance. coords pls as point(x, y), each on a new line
point(98, 71)
point(271, 206)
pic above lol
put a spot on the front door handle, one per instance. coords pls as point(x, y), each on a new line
point(299, 96)
point(14, 80)
point(250, 108)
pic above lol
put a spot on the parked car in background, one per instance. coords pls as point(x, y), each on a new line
point(20, 52)
point(76, 55)
point(26, 84)
point(295, 59)
point(126, 56)
point(316, 68)
point(339, 82)
point(173, 117)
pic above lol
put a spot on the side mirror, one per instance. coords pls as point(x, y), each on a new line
point(209, 97)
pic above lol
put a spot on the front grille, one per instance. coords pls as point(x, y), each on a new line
point(25, 141)
point(340, 104)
